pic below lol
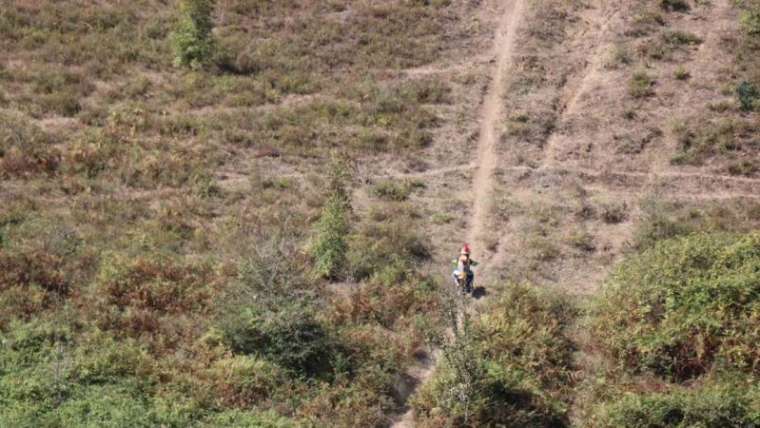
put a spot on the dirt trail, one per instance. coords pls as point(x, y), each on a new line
point(486, 155)
point(491, 114)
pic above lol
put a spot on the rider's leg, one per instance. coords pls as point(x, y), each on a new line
point(470, 280)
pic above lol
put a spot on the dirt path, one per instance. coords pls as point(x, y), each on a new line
point(485, 154)
point(490, 124)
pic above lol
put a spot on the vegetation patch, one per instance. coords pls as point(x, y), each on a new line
point(714, 404)
point(509, 366)
point(731, 138)
point(641, 85)
point(394, 190)
point(684, 307)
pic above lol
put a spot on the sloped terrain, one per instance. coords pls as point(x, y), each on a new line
point(254, 225)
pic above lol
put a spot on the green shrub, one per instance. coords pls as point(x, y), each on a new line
point(645, 22)
point(270, 313)
point(614, 212)
point(242, 381)
point(640, 85)
point(681, 73)
point(524, 331)
point(247, 419)
point(679, 38)
point(750, 21)
point(684, 306)
point(728, 404)
point(675, 5)
point(395, 191)
point(510, 367)
point(329, 248)
point(289, 336)
point(620, 55)
point(192, 40)
point(748, 95)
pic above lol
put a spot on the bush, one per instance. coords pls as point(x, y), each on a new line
point(681, 73)
point(640, 85)
point(748, 95)
point(289, 336)
point(161, 300)
point(750, 21)
point(395, 191)
point(684, 306)
point(509, 368)
point(247, 419)
point(679, 38)
point(675, 5)
point(270, 313)
point(711, 138)
point(729, 404)
point(394, 294)
point(156, 283)
point(243, 382)
point(329, 249)
point(614, 213)
point(192, 40)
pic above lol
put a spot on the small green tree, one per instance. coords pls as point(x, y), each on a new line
point(748, 96)
point(192, 40)
point(468, 380)
point(330, 247)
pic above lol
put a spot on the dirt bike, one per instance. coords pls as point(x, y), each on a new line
point(463, 283)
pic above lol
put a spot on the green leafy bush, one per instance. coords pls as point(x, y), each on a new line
point(679, 38)
point(511, 367)
point(243, 419)
point(748, 95)
point(289, 336)
point(192, 40)
point(395, 191)
point(270, 313)
point(729, 404)
point(675, 5)
point(750, 20)
point(640, 85)
point(242, 381)
point(681, 73)
point(329, 249)
point(684, 306)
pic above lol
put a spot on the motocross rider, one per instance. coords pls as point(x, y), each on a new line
point(463, 267)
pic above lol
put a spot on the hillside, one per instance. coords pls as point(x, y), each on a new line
point(243, 213)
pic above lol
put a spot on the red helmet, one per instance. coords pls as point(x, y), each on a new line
point(465, 250)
